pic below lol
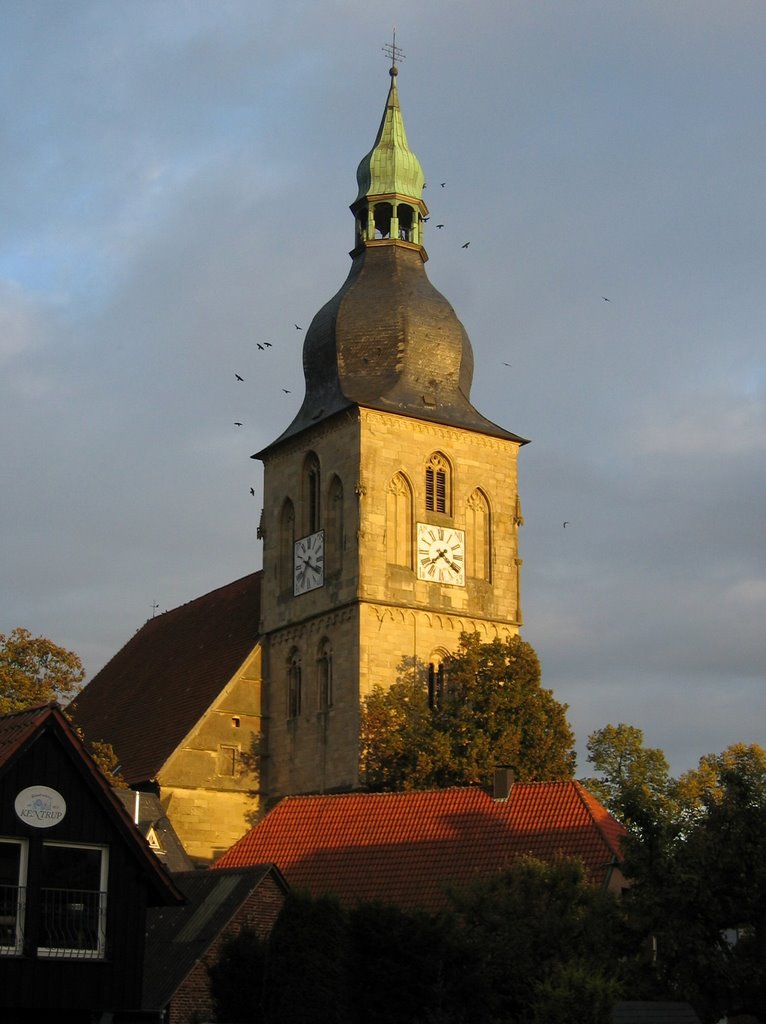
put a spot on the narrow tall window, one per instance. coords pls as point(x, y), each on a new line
point(73, 901)
point(478, 536)
point(437, 484)
point(311, 493)
point(334, 531)
point(294, 685)
point(286, 545)
point(324, 676)
point(399, 521)
point(13, 862)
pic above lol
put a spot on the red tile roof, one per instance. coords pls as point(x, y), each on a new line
point(408, 848)
point(154, 691)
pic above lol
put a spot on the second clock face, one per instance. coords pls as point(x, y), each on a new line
point(308, 563)
point(441, 554)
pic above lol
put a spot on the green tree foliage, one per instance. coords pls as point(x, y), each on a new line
point(634, 781)
point(34, 671)
point(698, 892)
point(492, 711)
point(236, 979)
point(545, 939)
point(407, 967)
point(305, 977)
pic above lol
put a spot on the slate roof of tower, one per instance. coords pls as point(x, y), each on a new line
point(408, 848)
point(154, 691)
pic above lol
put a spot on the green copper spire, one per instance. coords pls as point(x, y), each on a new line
point(389, 205)
point(390, 168)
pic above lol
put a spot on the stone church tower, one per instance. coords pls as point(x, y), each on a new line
point(391, 509)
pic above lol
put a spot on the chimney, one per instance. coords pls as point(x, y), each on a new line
point(503, 783)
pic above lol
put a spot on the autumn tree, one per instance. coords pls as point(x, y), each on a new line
point(488, 710)
point(34, 671)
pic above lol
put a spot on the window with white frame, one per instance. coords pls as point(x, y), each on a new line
point(13, 871)
point(73, 901)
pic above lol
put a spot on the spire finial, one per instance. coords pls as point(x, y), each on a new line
point(392, 51)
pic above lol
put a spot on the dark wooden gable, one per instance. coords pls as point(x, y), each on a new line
point(53, 968)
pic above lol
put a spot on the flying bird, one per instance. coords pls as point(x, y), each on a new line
point(237, 424)
point(286, 391)
point(267, 344)
point(260, 346)
point(440, 225)
point(566, 523)
point(298, 328)
point(252, 491)
point(443, 184)
point(605, 298)
point(238, 376)
point(506, 364)
point(465, 245)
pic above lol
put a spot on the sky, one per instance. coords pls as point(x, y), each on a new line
point(174, 190)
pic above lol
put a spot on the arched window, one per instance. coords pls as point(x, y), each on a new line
point(383, 215)
point(334, 531)
point(286, 544)
point(311, 493)
point(294, 684)
point(438, 484)
point(399, 521)
point(478, 536)
point(324, 675)
point(437, 686)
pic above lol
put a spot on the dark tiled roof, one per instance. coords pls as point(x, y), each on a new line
point(407, 848)
point(18, 727)
point(177, 937)
point(155, 690)
point(654, 1013)
point(152, 818)
point(22, 728)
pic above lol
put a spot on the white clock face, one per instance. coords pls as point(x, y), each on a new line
point(441, 554)
point(308, 563)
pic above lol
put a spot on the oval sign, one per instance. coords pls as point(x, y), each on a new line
point(40, 806)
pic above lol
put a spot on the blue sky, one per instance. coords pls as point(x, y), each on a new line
point(175, 188)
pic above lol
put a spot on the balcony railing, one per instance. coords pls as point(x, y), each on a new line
point(12, 903)
point(72, 924)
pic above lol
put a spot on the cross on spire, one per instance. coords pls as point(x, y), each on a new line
point(392, 51)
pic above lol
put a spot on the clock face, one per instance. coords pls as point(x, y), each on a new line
point(441, 554)
point(308, 563)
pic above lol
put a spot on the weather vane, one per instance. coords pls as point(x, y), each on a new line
point(392, 50)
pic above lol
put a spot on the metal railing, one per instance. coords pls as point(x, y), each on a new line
point(12, 904)
point(72, 923)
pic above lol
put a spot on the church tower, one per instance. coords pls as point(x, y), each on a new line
point(391, 508)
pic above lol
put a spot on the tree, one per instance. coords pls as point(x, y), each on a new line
point(548, 943)
point(634, 782)
point(34, 671)
point(312, 933)
point(698, 891)
point(236, 978)
point(490, 711)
